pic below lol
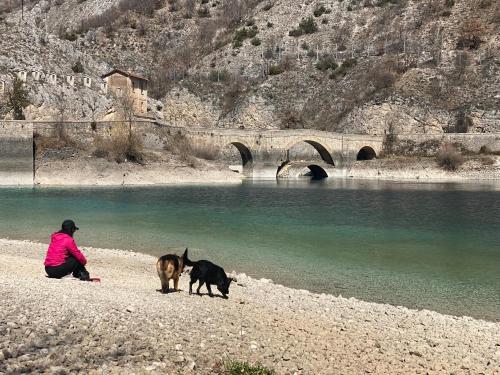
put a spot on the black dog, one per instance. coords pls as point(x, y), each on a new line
point(208, 274)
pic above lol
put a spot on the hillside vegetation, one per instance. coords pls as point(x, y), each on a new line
point(360, 66)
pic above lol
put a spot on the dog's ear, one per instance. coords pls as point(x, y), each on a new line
point(185, 253)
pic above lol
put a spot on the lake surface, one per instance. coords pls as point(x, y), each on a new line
point(434, 246)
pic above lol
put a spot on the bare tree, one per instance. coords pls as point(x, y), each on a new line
point(126, 108)
point(61, 105)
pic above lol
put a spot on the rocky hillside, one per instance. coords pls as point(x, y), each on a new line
point(363, 66)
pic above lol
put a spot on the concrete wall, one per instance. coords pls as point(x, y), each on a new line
point(469, 141)
point(85, 133)
point(16, 153)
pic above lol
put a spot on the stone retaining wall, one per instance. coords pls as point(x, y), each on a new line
point(471, 142)
point(16, 153)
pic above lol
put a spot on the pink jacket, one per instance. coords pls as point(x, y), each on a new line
point(61, 246)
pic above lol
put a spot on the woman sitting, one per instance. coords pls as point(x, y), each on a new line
point(63, 256)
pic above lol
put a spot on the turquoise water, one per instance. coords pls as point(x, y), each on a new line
point(434, 246)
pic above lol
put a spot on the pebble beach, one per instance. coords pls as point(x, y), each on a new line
point(123, 325)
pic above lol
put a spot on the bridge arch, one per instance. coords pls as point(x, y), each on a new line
point(245, 153)
point(366, 153)
point(322, 150)
point(317, 172)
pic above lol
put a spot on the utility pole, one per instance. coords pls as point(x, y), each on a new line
point(22, 10)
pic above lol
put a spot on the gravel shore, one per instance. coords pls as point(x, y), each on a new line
point(123, 326)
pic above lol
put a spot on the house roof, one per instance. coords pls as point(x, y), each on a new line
point(124, 73)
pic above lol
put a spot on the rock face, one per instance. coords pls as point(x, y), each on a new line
point(352, 66)
point(123, 325)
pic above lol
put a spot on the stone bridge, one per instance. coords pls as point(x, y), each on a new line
point(264, 153)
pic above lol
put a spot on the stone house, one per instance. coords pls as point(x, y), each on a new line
point(120, 82)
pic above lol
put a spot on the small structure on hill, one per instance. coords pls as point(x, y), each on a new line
point(87, 81)
point(53, 79)
point(121, 83)
point(70, 80)
point(37, 75)
point(22, 75)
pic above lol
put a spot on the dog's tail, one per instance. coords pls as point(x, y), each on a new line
point(186, 260)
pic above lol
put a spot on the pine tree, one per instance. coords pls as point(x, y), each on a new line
point(18, 99)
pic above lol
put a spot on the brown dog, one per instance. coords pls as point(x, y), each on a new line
point(169, 267)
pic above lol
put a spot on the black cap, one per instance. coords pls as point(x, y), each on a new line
point(69, 225)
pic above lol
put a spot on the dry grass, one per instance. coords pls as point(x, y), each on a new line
point(57, 141)
point(187, 151)
point(122, 146)
point(449, 158)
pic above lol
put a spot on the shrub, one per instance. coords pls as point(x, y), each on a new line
point(449, 158)
point(349, 63)
point(18, 99)
point(484, 150)
point(267, 7)
point(326, 62)
point(275, 70)
point(123, 145)
point(78, 67)
point(292, 119)
point(243, 34)
point(187, 151)
point(244, 368)
point(343, 68)
point(487, 160)
point(295, 33)
point(308, 25)
point(470, 35)
point(57, 141)
point(319, 11)
point(449, 3)
point(255, 41)
point(463, 123)
point(203, 12)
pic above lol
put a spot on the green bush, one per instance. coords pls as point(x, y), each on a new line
point(275, 70)
point(295, 32)
point(255, 41)
point(244, 368)
point(242, 34)
point(308, 25)
point(342, 70)
point(449, 3)
point(325, 63)
point(349, 63)
point(319, 11)
point(78, 67)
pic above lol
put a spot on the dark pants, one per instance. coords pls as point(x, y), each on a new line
point(71, 265)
